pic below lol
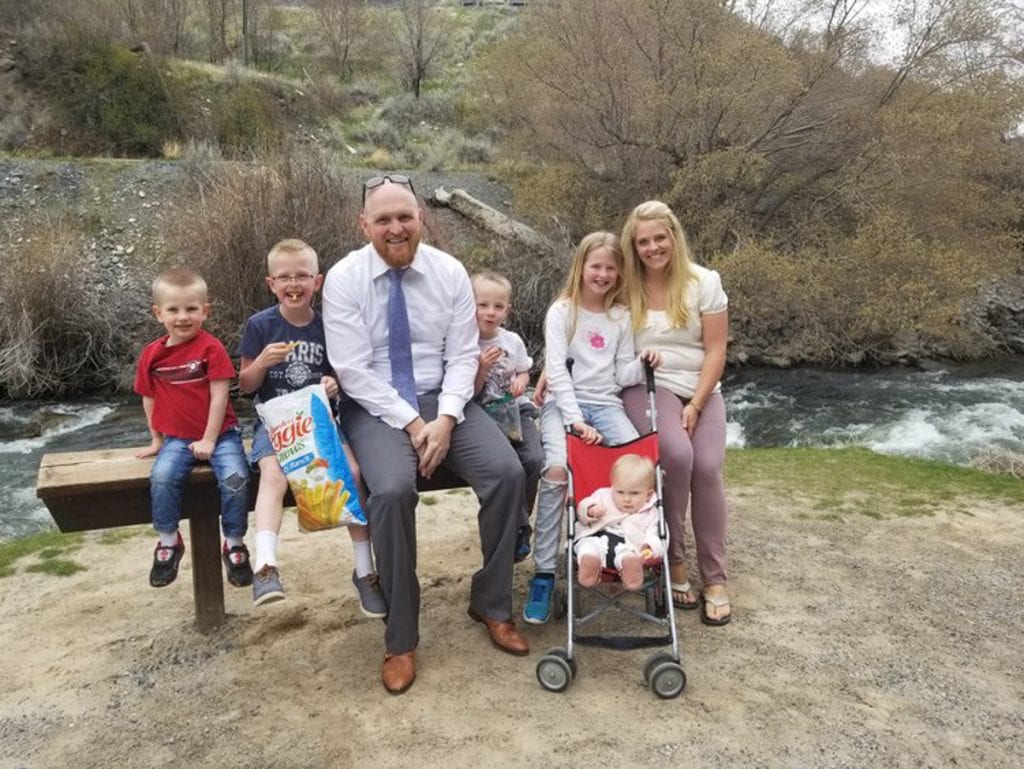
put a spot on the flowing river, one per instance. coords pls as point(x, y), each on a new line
point(950, 413)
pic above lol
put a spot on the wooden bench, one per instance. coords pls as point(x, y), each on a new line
point(107, 488)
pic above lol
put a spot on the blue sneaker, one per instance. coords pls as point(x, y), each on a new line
point(538, 604)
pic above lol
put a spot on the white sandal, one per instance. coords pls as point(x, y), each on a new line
point(718, 601)
point(683, 588)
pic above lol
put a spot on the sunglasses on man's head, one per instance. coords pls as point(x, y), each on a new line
point(376, 181)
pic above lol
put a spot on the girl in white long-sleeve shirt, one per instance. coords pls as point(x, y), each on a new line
point(588, 326)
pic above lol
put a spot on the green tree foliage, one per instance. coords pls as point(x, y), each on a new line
point(247, 120)
point(118, 98)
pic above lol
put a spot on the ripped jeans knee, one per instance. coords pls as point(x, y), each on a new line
point(547, 532)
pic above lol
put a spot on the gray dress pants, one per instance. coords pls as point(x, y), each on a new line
point(482, 456)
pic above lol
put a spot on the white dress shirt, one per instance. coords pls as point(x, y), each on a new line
point(442, 324)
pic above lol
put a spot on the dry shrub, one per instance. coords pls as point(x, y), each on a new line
point(779, 301)
point(536, 276)
point(559, 198)
point(56, 334)
point(875, 296)
point(237, 212)
point(1000, 462)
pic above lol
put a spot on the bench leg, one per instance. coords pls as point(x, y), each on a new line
point(207, 582)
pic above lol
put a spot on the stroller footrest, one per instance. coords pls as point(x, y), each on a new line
point(623, 643)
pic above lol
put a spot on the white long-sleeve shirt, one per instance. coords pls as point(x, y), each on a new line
point(442, 324)
point(603, 357)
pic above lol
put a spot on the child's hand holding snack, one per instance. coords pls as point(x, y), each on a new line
point(274, 353)
point(489, 357)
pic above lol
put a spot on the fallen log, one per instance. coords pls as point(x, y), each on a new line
point(491, 218)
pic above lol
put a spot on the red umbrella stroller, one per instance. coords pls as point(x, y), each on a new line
point(589, 469)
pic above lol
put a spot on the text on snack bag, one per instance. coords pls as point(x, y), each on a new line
point(286, 436)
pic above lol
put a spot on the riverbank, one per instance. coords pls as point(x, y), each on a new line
point(858, 642)
point(119, 221)
point(954, 414)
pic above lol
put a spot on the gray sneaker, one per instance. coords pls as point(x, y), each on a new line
point(266, 586)
point(371, 599)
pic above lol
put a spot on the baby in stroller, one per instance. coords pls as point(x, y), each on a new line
point(619, 525)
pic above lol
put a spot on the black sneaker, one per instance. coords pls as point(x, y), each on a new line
point(165, 563)
point(523, 543)
point(236, 559)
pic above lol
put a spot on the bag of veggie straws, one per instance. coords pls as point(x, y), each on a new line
point(303, 433)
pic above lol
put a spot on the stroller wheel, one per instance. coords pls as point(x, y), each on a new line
point(653, 661)
point(558, 651)
point(668, 680)
point(553, 673)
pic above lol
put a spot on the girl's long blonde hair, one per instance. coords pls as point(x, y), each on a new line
point(574, 280)
point(678, 275)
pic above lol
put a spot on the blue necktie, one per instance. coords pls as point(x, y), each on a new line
point(400, 340)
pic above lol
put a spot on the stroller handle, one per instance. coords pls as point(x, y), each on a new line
point(649, 377)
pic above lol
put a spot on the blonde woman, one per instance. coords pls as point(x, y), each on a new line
point(679, 309)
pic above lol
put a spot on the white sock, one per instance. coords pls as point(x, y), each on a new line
point(364, 557)
point(234, 542)
point(168, 540)
point(266, 549)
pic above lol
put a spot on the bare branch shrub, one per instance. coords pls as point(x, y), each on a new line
point(536, 276)
point(237, 212)
point(56, 335)
point(339, 28)
point(881, 292)
point(419, 39)
point(1000, 462)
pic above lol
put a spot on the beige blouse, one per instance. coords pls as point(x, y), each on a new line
point(682, 349)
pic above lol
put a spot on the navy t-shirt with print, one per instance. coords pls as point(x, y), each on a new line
point(306, 363)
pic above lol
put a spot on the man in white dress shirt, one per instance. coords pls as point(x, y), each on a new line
point(393, 440)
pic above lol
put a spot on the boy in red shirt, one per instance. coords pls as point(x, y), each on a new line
point(183, 379)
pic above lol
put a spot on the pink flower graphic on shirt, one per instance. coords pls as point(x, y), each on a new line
point(596, 340)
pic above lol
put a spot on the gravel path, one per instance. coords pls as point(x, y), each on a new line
point(857, 643)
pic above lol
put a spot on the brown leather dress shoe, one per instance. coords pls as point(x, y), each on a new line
point(504, 635)
point(398, 671)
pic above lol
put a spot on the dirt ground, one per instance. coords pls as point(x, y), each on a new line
point(859, 643)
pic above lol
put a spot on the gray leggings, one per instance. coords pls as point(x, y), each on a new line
point(693, 473)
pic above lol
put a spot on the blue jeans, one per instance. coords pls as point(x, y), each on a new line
point(170, 472)
point(611, 421)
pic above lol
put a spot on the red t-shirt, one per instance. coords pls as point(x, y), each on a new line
point(178, 378)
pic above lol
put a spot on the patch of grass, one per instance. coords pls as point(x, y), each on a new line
point(428, 500)
point(46, 541)
point(57, 567)
point(856, 481)
point(459, 492)
point(116, 536)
